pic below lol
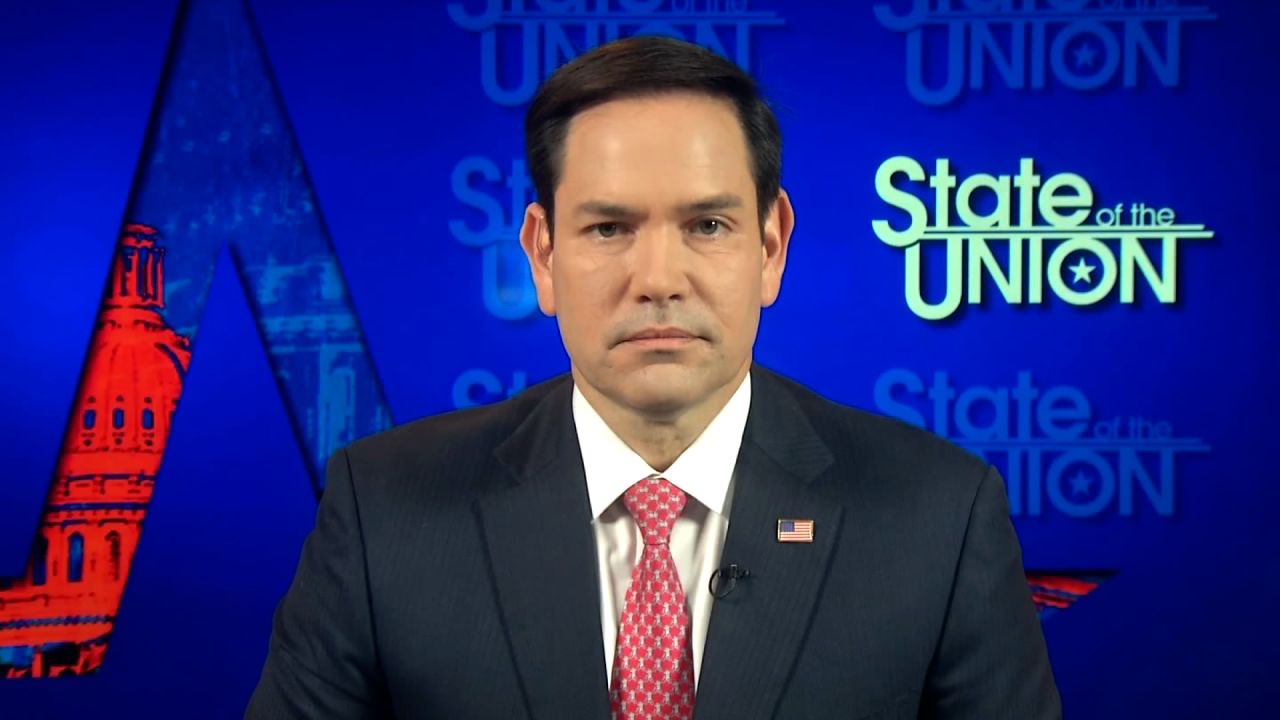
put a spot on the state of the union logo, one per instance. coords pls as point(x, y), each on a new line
point(1026, 235)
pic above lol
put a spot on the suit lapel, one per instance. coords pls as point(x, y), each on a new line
point(757, 630)
point(542, 557)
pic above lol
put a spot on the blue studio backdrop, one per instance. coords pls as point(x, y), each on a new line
point(1035, 227)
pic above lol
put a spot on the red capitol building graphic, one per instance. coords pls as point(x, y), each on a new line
point(57, 617)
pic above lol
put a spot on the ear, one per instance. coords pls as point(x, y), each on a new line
point(778, 224)
point(535, 239)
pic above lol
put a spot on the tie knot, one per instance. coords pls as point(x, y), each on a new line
point(655, 504)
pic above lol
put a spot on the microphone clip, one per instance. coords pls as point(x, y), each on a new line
point(725, 579)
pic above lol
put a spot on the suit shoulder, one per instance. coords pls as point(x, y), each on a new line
point(884, 444)
point(448, 438)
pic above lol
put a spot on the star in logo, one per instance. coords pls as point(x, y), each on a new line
point(1080, 483)
point(1085, 55)
point(1081, 271)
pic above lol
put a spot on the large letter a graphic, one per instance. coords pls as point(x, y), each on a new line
point(220, 166)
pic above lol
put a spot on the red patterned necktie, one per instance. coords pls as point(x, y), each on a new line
point(653, 664)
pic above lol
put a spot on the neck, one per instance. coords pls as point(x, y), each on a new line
point(660, 438)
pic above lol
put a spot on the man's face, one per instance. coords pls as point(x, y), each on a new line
point(659, 265)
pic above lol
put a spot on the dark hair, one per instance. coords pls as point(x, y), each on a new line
point(641, 66)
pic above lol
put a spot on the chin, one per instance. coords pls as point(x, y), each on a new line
point(658, 405)
point(661, 390)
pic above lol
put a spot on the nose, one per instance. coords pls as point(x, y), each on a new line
point(659, 270)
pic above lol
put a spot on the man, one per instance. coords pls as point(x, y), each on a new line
point(668, 529)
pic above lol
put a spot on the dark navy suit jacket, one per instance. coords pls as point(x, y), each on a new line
point(452, 574)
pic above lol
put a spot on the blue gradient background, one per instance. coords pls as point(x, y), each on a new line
point(385, 99)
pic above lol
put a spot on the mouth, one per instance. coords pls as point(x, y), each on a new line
point(660, 338)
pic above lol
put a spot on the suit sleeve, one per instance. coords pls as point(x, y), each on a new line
point(991, 661)
point(321, 662)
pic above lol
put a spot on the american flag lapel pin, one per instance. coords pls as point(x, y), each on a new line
point(795, 530)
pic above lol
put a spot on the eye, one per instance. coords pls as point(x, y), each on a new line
point(708, 226)
point(605, 230)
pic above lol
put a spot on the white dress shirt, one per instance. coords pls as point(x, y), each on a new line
point(704, 472)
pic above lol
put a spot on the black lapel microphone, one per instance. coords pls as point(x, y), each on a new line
point(725, 579)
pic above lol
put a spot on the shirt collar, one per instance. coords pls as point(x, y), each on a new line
point(703, 471)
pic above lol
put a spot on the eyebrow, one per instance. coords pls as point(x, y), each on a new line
point(600, 208)
point(610, 210)
point(723, 201)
